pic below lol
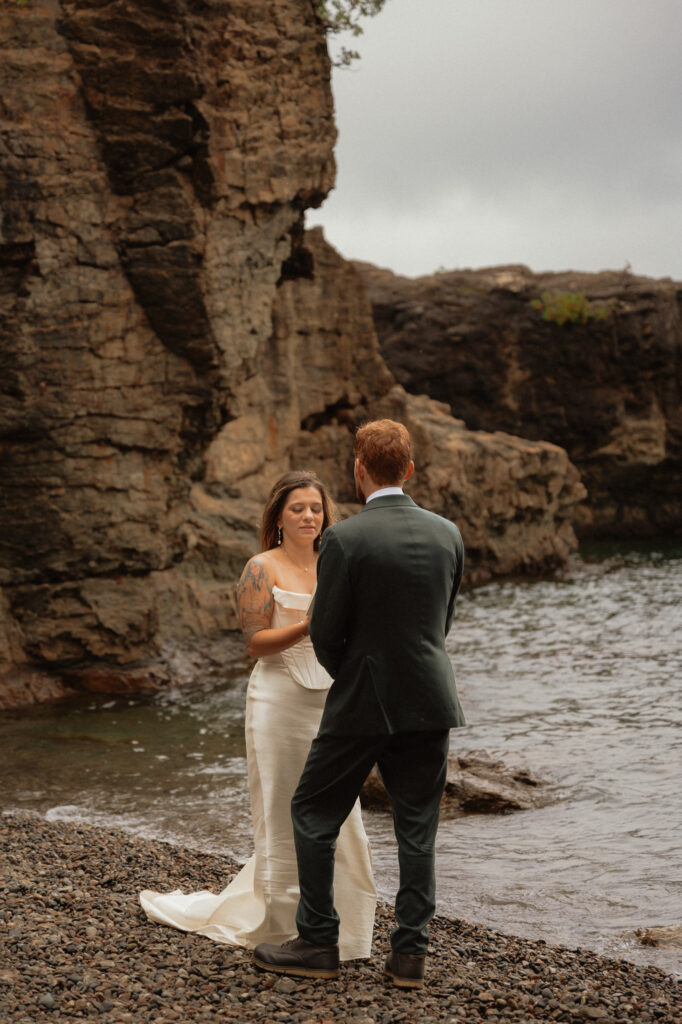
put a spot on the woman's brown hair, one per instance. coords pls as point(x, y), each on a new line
point(277, 498)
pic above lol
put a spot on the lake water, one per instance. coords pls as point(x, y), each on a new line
point(580, 674)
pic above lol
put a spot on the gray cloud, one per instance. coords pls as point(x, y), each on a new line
point(475, 132)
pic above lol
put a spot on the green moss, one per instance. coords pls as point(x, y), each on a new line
point(569, 308)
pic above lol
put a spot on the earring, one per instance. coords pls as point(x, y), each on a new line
point(279, 535)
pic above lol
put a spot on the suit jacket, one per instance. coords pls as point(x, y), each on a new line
point(387, 582)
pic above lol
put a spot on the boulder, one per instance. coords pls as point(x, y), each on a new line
point(478, 782)
point(669, 936)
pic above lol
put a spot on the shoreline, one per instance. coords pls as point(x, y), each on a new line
point(77, 944)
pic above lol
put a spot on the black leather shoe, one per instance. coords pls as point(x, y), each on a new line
point(298, 957)
point(406, 970)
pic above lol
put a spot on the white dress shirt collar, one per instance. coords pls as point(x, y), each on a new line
point(383, 492)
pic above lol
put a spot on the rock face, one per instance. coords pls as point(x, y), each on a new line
point(156, 159)
point(605, 384)
point(514, 500)
point(477, 783)
point(171, 340)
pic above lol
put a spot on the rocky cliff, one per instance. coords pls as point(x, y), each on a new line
point(591, 362)
point(171, 340)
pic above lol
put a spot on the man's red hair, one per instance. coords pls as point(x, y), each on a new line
point(383, 447)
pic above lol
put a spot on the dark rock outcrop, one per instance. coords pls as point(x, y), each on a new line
point(595, 366)
point(171, 340)
point(477, 783)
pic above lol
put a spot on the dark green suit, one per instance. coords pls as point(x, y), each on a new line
point(387, 583)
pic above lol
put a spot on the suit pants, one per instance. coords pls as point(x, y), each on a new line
point(413, 767)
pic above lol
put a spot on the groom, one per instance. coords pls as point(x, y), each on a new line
point(385, 600)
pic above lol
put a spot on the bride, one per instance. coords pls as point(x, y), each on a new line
point(284, 703)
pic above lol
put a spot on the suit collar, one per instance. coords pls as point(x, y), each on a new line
point(388, 501)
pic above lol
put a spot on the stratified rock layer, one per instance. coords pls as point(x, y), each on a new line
point(171, 340)
point(607, 387)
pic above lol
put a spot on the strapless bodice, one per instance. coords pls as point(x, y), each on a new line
point(290, 607)
point(299, 660)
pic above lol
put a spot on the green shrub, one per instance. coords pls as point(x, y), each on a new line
point(344, 16)
point(569, 308)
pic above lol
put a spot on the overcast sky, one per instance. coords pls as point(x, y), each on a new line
point(480, 132)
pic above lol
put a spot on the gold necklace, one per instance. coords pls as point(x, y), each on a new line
point(301, 568)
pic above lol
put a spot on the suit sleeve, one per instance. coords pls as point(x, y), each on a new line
point(459, 568)
point(328, 627)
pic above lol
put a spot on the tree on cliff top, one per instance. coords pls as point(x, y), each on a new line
point(344, 16)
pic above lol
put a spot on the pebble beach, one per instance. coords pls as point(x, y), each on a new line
point(75, 945)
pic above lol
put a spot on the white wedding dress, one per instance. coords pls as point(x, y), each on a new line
point(284, 703)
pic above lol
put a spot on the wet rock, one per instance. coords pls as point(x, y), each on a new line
point(666, 935)
point(477, 783)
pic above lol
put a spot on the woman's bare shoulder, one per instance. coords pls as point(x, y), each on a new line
point(259, 571)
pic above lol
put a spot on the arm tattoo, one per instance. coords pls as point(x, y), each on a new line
point(254, 598)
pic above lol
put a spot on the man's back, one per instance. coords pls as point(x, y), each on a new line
point(388, 579)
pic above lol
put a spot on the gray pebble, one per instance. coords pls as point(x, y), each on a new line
point(285, 985)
